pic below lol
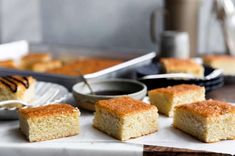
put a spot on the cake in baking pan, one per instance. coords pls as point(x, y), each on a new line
point(176, 65)
point(39, 62)
point(8, 64)
point(84, 66)
point(209, 121)
point(30, 59)
point(125, 118)
point(45, 66)
point(69, 66)
point(49, 122)
point(224, 62)
point(167, 98)
point(17, 87)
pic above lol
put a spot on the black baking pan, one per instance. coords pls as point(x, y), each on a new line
point(131, 61)
point(154, 77)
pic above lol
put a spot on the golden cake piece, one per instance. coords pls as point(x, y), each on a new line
point(45, 66)
point(167, 98)
point(7, 64)
point(30, 59)
point(176, 65)
point(125, 118)
point(84, 66)
point(49, 122)
point(224, 62)
point(17, 88)
point(209, 121)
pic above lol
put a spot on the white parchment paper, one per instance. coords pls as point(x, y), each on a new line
point(171, 137)
point(90, 140)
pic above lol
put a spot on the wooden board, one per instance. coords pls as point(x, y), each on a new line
point(169, 151)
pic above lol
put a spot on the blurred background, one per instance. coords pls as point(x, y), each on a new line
point(98, 24)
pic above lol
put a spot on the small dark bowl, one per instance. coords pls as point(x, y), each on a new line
point(122, 87)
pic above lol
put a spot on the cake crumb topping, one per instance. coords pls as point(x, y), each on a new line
point(209, 108)
point(51, 109)
point(124, 105)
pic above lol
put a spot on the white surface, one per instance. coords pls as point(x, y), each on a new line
point(13, 50)
point(89, 142)
point(93, 142)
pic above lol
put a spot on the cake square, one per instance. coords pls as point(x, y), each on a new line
point(125, 118)
point(224, 62)
point(8, 64)
point(45, 66)
point(49, 122)
point(17, 87)
point(209, 121)
point(30, 59)
point(176, 65)
point(95, 64)
point(167, 98)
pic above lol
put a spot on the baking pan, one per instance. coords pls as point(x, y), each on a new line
point(132, 60)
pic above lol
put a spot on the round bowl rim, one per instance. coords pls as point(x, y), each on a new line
point(143, 89)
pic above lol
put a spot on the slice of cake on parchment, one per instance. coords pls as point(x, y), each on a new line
point(125, 118)
point(209, 121)
point(30, 59)
point(167, 98)
point(49, 122)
